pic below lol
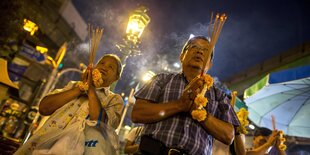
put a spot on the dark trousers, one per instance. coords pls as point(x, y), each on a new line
point(151, 146)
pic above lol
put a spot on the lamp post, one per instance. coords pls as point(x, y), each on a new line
point(131, 100)
point(138, 20)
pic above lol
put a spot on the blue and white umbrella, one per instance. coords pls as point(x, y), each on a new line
point(288, 101)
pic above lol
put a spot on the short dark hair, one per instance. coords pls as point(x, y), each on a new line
point(262, 132)
point(191, 40)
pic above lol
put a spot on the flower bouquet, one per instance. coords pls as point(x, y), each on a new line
point(201, 101)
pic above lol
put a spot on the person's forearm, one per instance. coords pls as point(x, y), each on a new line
point(131, 149)
point(260, 150)
point(51, 103)
point(95, 106)
point(239, 145)
point(147, 112)
point(220, 130)
point(282, 152)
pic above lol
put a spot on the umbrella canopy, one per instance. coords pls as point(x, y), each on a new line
point(288, 101)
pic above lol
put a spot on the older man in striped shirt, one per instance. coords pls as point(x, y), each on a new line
point(164, 107)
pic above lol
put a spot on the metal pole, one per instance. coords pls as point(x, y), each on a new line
point(130, 102)
point(61, 73)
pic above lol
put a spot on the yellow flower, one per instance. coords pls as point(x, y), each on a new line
point(282, 140)
point(199, 114)
point(282, 147)
point(98, 83)
point(82, 86)
point(200, 100)
point(97, 78)
point(281, 132)
point(243, 119)
point(208, 80)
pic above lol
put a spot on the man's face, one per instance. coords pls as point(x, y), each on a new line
point(108, 69)
point(195, 55)
point(259, 141)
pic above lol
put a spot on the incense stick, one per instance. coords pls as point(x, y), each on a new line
point(214, 31)
point(214, 35)
point(94, 41)
point(273, 120)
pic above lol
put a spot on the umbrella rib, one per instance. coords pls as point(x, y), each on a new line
point(284, 92)
point(290, 85)
point(285, 101)
point(298, 110)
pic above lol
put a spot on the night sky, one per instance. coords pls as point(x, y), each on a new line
point(254, 31)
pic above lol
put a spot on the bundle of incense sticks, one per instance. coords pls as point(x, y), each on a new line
point(273, 120)
point(214, 33)
point(94, 40)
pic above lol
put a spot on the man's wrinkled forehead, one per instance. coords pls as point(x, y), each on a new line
point(200, 42)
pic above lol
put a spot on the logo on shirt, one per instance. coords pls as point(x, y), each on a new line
point(91, 143)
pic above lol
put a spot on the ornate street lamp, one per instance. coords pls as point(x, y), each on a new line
point(138, 21)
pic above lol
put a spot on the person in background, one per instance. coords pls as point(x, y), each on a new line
point(133, 140)
point(265, 141)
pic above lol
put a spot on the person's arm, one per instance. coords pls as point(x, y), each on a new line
point(239, 145)
point(93, 100)
point(263, 149)
point(145, 111)
point(114, 110)
point(131, 147)
point(260, 150)
point(51, 103)
point(220, 126)
point(95, 105)
point(222, 131)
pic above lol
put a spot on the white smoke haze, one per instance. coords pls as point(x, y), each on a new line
point(159, 52)
point(244, 40)
point(83, 48)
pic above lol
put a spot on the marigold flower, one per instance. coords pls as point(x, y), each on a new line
point(282, 140)
point(199, 114)
point(82, 86)
point(97, 78)
point(243, 119)
point(282, 147)
point(281, 132)
point(200, 100)
point(208, 80)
